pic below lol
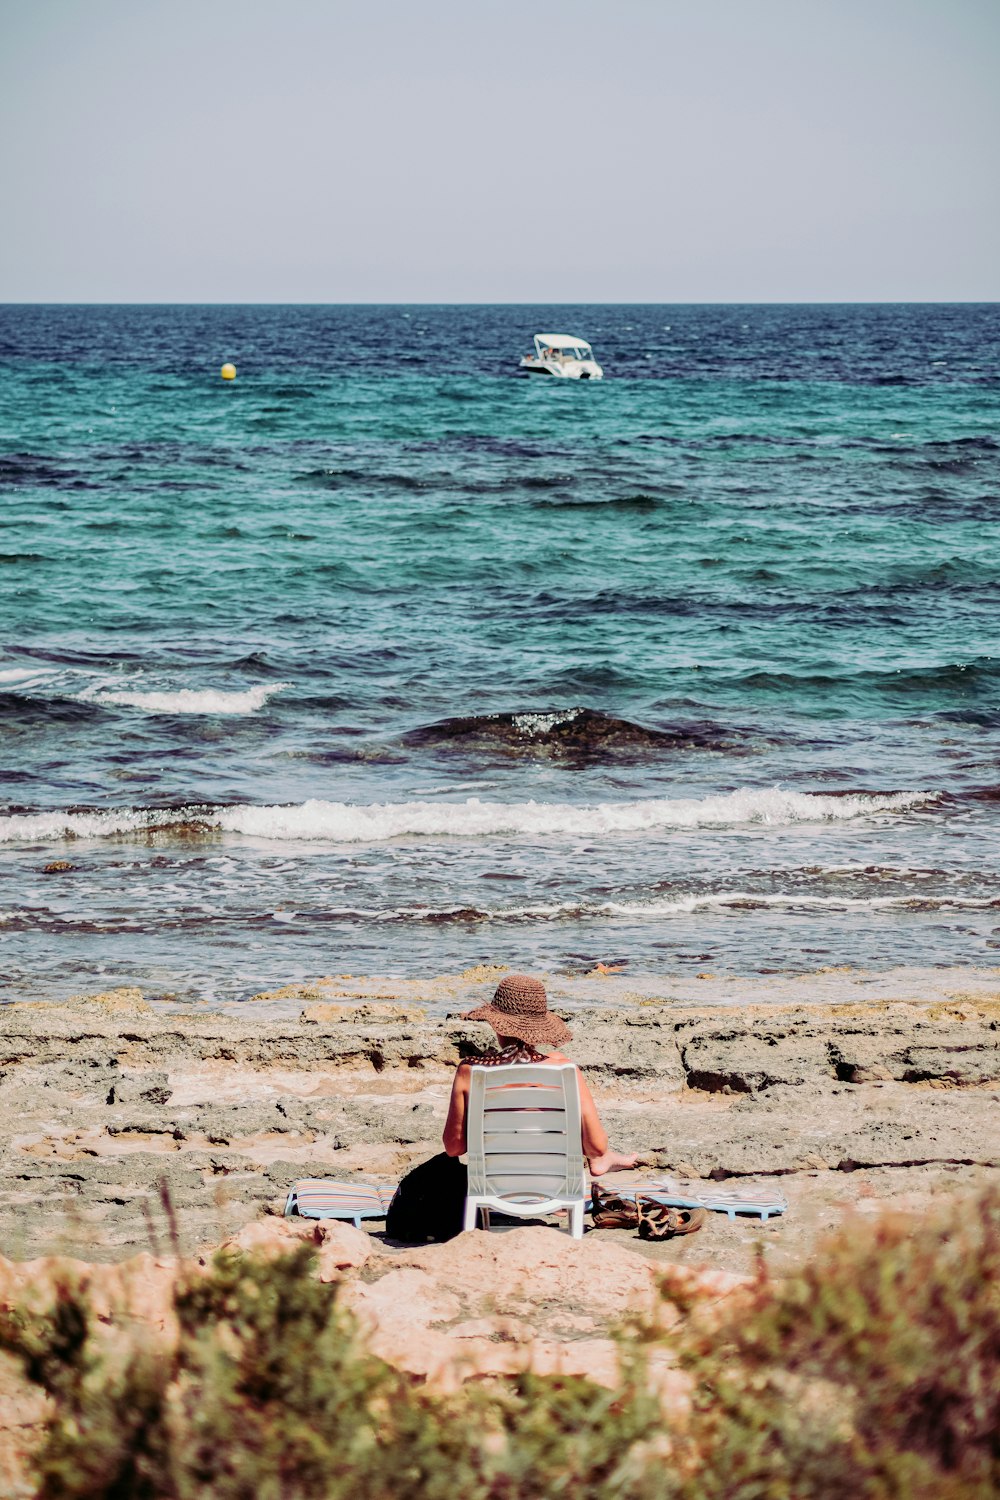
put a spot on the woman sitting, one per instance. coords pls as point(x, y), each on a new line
point(430, 1199)
point(520, 1016)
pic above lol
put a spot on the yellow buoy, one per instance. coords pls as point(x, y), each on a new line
point(229, 372)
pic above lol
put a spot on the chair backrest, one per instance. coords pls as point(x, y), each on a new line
point(523, 1132)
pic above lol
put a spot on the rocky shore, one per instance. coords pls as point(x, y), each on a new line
point(133, 1133)
point(108, 1099)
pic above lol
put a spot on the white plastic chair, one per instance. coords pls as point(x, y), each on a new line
point(525, 1152)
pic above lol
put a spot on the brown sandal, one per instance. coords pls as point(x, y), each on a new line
point(662, 1221)
point(612, 1211)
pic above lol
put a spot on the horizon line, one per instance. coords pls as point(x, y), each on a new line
point(512, 302)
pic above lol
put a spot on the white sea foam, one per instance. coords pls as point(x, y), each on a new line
point(636, 913)
point(188, 700)
point(685, 905)
point(25, 675)
point(103, 689)
point(342, 822)
point(786, 901)
point(538, 724)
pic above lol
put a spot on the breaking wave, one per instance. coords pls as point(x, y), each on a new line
point(676, 906)
point(188, 700)
point(25, 676)
point(35, 693)
point(342, 822)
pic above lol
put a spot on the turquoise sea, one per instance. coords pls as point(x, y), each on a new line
point(386, 658)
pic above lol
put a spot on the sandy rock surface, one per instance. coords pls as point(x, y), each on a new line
point(131, 1132)
point(109, 1102)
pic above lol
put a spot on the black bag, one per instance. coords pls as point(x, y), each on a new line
point(429, 1202)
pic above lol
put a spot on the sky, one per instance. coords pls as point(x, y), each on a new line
point(499, 150)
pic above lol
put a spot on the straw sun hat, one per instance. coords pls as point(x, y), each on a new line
point(520, 1008)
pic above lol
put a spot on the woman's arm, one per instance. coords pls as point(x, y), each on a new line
point(596, 1147)
point(455, 1142)
point(595, 1137)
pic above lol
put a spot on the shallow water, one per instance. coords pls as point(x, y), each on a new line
point(386, 658)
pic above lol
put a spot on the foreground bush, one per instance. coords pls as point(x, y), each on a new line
point(874, 1373)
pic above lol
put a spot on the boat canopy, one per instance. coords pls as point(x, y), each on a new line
point(560, 341)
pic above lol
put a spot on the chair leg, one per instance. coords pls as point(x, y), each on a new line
point(576, 1221)
point(469, 1215)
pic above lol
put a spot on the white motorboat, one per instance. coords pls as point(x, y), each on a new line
point(559, 354)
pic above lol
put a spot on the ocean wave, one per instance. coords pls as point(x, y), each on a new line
point(32, 470)
point(944, 678)
point(187, 700)
point(26, 676)
point(342, 822)
point(370, 477)
point(640, 503)
point(644, 910)
point(684, 905)
point(793, 901)
point(25, 708)
point(71, 691)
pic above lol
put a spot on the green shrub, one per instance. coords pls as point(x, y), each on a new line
point(873, 1374)
point(106, 1435)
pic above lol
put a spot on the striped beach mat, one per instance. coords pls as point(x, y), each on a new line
point(321, 1198)
point(747, 1198)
